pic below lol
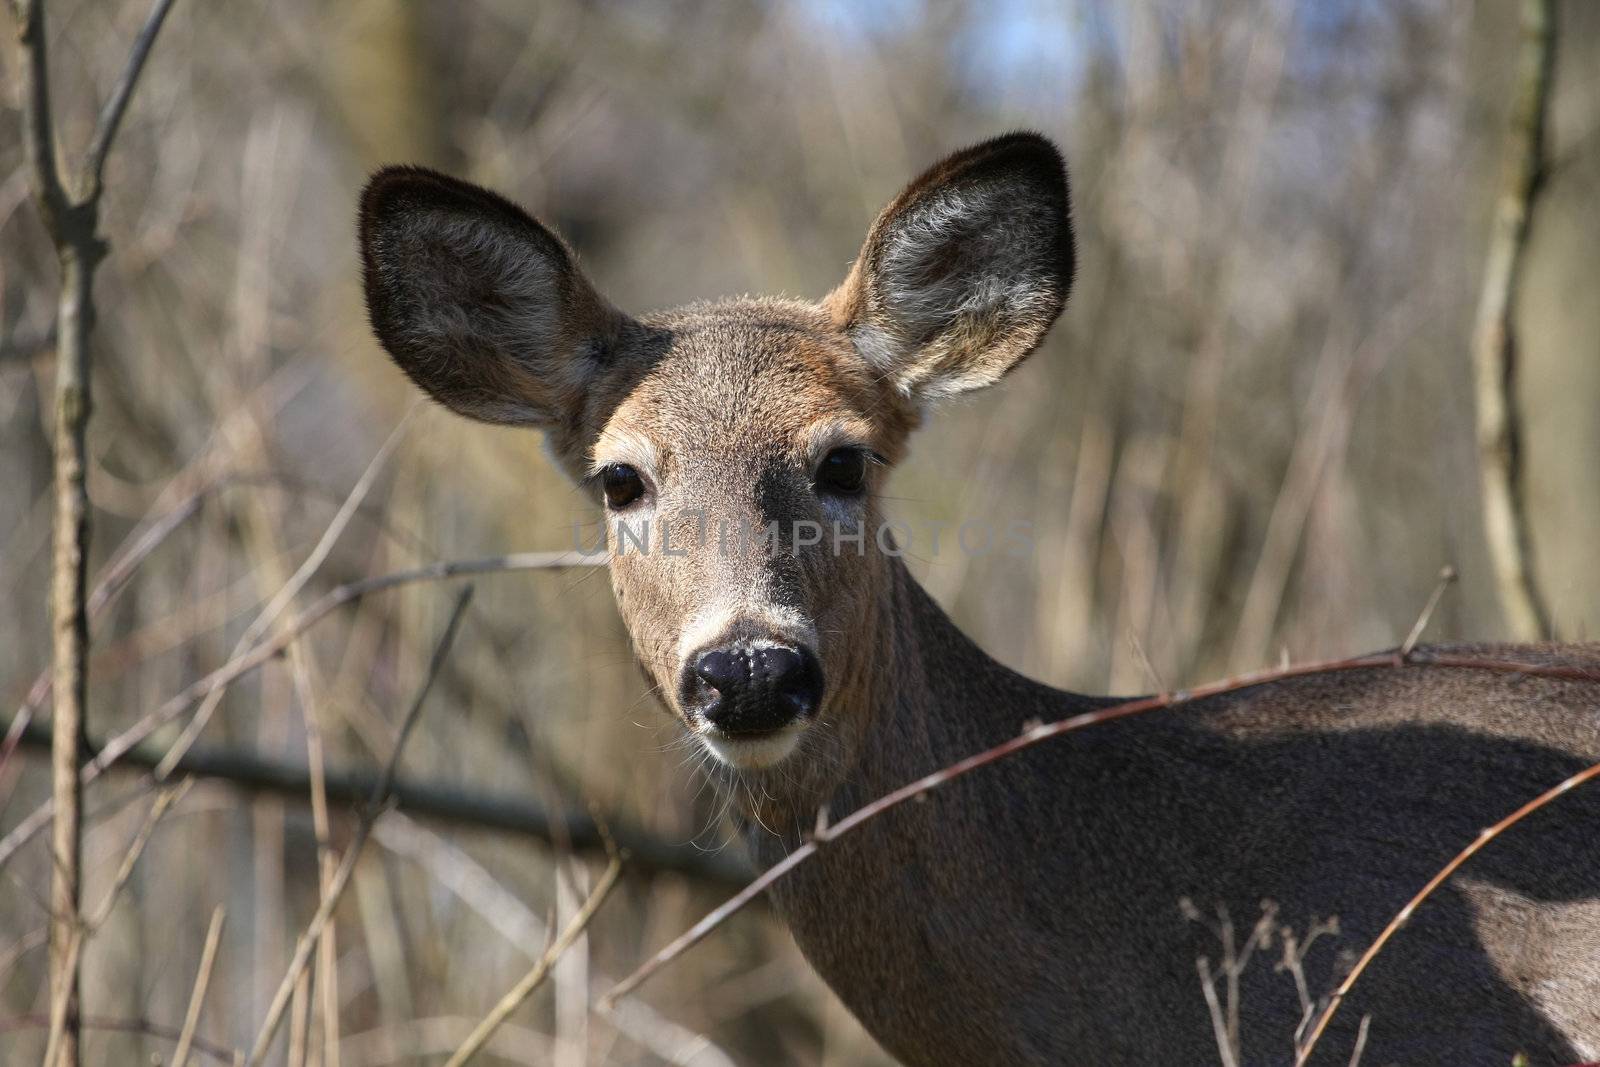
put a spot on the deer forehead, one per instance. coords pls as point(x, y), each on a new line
point(749, 382)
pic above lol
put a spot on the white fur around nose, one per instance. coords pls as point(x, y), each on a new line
point(751, 625)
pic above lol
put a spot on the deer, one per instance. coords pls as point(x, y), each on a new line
point(1030, 913)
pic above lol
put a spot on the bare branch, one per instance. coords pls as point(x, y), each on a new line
point(105, 130)
point(197, 998)
point(72, 225)
point(38, 126)
point(68, 615)
point(454, 870)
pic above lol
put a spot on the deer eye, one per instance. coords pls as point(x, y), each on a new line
point(843, 472)
point(622, 485)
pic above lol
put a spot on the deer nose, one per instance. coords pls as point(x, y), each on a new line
point(756, 690)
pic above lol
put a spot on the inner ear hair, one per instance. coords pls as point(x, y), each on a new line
point(964, 272)
point(478, 303)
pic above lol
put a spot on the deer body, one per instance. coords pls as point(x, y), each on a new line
point(1028, 913)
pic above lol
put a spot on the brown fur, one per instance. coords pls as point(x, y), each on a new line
point(1029, 913)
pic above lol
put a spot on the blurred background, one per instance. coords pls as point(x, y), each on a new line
point(1251, 436)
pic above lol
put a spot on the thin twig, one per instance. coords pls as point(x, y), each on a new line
point(105, 130)
point(326, 973)
point(1404, 914)
point(1226, 1050)
point(341, 877)
point(1447, 575)
point(1038, 733)
point(193, 484)
point(165, 801)
point(197, 998)
point(530, 981)
point(1361, 1041)
point(1293, 962)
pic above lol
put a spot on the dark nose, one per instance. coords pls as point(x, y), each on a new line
point(754, 690)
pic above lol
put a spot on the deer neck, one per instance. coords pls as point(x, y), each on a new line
point(917, 695)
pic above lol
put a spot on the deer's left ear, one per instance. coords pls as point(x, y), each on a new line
point(964, 271)
point(480, 304)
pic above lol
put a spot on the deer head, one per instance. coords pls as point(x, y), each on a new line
point(737, 446)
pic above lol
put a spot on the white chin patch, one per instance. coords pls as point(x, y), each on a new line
point(752, 754)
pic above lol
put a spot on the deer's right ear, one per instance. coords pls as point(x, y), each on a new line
point(962, 274)
point(478, 303)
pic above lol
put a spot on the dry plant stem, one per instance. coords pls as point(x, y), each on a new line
point(197, 998)
point(71, 218)
point(1494, 339)
point(299, 1018)
point(1033, 735)
point(1447, 577)
point(326, 974)
point(1404, 915)
point(1235, 958)
point(1219, 1028)
point(341, 876)
point(521, 991)
point(121, 744)
point(165, 801)
point(1361, 1041)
